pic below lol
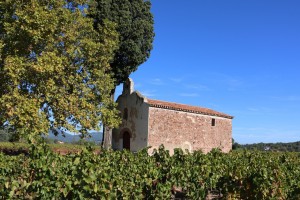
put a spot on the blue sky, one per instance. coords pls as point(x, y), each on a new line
point(241, 57)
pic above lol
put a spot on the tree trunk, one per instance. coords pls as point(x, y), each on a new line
point(107, 137)
point(107, 131)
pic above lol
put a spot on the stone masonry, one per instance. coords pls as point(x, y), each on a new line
point(177, 129)
point(151, 122)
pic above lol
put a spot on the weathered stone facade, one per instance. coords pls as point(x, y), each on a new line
point(134, 114)
point(188, 130)
point(151, 123)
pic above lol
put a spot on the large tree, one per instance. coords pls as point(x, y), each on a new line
point(136, 33)
point(54, 67)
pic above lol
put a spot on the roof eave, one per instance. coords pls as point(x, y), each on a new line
point(190, 111)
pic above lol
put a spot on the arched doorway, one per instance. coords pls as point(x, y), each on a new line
point(126, 140)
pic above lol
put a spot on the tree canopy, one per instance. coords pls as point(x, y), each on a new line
point(136, 33)
point(54, 67)
point(134, 24)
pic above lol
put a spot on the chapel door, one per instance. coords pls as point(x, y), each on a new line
point(126, 140)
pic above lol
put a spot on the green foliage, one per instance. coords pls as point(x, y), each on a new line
point(123, 175)
point(136, 33)
point(16, 148)
point(7, 134)
point(84, 142)
point(284, 147)
point(54, 67)
point(235, 145)
point(134, 24)
point(4, 136)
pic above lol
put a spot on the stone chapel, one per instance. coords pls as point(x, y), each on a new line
point(148, 122)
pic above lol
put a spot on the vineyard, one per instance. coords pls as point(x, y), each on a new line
point(123, 175)
point(16, 148)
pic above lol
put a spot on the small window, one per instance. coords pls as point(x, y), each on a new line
point(125, 114)
point(213, 122)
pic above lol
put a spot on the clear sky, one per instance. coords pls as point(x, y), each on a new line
point(240, 57)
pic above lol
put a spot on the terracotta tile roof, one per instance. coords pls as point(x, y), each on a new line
point(186, 108)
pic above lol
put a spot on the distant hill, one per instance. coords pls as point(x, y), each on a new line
point(69, 138)
point(290, 147)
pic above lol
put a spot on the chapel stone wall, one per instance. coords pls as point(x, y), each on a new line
point(178, 129)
